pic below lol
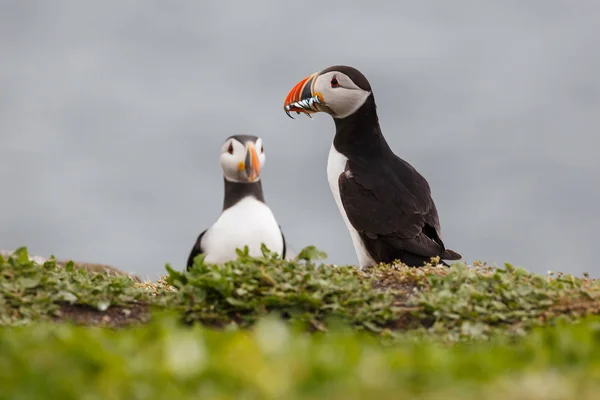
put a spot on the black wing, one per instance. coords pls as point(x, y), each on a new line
point(284, 246)
point(391, 201)
point(197, 249)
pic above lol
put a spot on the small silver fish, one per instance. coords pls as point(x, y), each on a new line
point(306, 104)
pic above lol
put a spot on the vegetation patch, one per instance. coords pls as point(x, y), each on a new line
point(242, 291)
point(452, 303)
point(32, 292)
point(473, 302)
point(455, 303)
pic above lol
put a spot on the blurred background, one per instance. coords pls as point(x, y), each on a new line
point(112, 115)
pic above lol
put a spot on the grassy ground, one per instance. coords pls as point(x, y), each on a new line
point(219, 332)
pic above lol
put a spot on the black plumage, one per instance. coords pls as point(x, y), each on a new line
point(386, 200)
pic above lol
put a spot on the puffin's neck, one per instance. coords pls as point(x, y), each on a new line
point(235, 191)
point(359, 133)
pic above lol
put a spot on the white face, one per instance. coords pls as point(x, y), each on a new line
point(340, 93)
point(242, 162)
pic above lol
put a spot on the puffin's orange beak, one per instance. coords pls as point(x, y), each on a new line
point(302, 97)
point(252, 165)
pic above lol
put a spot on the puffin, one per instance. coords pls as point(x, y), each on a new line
point(245, 220)
point(385, 203)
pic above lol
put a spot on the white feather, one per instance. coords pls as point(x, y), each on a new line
point(336, 164)
point(247, 223)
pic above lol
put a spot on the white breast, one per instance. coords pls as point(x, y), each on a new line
point(248, 223)
point(335, 166)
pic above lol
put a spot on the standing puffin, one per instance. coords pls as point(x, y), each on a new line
point(385, 203)
point(245, 220)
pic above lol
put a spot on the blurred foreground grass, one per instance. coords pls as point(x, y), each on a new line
point(164, 360)
point(387, 332)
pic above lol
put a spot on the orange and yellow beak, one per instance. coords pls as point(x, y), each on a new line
point(251, 164)
point(302, 98)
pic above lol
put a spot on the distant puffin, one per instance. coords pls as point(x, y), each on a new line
point(385, 203)
point(245, 220)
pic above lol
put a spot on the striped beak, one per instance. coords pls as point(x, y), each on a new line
point(302, 98)
point(251, 163)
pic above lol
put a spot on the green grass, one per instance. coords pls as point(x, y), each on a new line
point(269, 328)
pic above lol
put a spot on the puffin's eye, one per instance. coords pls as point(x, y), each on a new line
point(262, 149)
point(230, 148)
point(334, 82)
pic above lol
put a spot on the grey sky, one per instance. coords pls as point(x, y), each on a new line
point(112, 115)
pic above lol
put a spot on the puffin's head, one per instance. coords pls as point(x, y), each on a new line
point(242, 158)
point(338, 90)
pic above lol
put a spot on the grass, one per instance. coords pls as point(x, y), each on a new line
point(270, 328)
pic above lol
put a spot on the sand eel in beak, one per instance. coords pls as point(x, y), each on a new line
point(246, 220)
point(385, 203)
